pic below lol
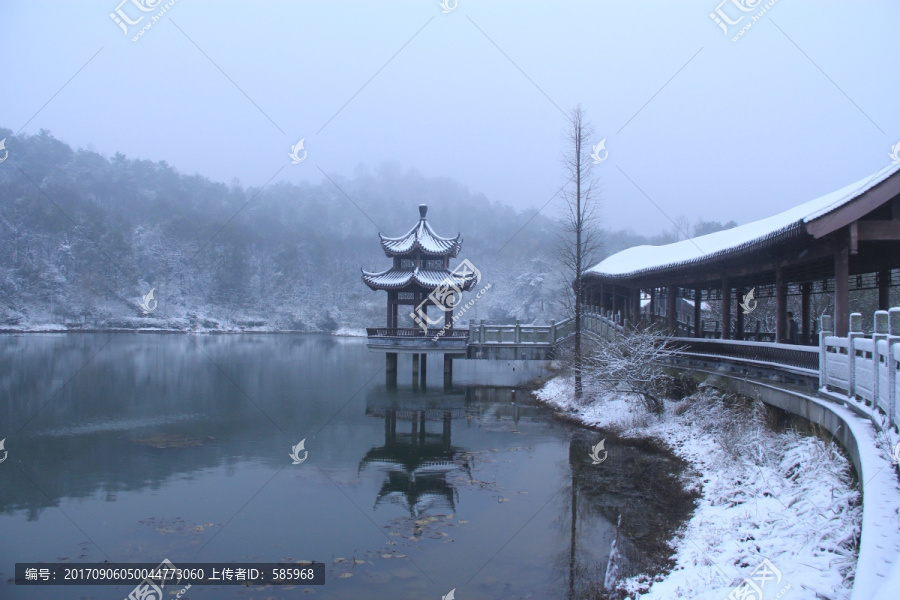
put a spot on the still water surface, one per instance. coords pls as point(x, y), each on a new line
point(136, 448)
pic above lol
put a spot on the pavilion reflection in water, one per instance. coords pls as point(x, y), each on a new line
point(417, 462)
point(420, 459)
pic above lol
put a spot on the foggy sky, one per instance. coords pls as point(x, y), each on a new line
point(695, 124)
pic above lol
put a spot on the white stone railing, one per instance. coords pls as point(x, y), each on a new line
point(866, 369)
point(541, 335)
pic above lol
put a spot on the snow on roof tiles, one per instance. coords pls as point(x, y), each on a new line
point(426, 278)
point(639, 259)
point(421, 238)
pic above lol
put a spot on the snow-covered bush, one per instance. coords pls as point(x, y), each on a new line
point(631, 364)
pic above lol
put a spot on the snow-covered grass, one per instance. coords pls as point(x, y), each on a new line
point(781, 496)
point(350, 332)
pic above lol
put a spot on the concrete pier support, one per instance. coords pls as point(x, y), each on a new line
point(390, 369)
point(448, 371)
point(423, 368)
point(415, 370)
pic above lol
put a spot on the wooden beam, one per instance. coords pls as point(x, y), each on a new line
point(884, 289)
point(726, 308)
point(855, 209)
point(805, 291)
point(671, 308)
point(698, 297)
point(878, 231)
point(842, 289)
point(780, 306)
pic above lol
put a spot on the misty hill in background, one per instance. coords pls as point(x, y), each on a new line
point(83, 237)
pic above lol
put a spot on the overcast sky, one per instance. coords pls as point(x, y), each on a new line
point(805, 102)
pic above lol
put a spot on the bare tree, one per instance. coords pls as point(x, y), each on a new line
point(579, 240)
point(633, 363)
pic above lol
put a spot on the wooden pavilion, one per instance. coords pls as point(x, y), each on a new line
point(420, 277)
point(846, 240)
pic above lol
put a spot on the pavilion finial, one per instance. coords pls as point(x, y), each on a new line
point(423, 208)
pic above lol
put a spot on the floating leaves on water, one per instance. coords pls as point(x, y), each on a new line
point(345, 575)
point(502, 499)
point(176, 525)
point(339, 560)
point(359, 561)
point(461, 522)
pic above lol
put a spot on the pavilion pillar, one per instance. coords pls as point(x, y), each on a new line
point(698, 300)
point(805, 292)
point(415, 366)
point(423, 367)
point(391, 310)
point(671, 313)
point(726, 308)
point(652, 305)
point(781, 331)
point(739, 317)
point(884, 289)
point(600, 300)
point(841, 289)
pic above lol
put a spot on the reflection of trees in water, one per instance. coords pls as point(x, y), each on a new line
point(91, 412)
point(638, 481)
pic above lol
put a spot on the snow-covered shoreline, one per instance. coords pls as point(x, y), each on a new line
point(783, 497)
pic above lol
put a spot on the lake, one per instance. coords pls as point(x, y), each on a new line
point(142, 447)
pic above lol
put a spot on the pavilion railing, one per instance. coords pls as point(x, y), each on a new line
point(417, 332)
point(866, 369)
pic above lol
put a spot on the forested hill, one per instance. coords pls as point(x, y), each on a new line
point(83, 237)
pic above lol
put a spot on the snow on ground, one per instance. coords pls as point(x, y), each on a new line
point(782, 497)
point(350, 332)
